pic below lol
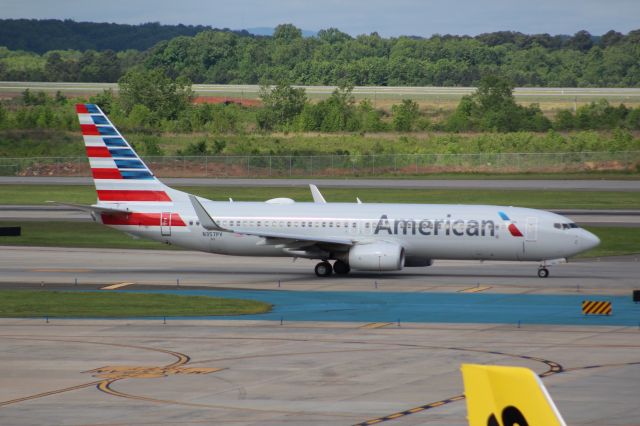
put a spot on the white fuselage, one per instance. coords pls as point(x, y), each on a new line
point(430, 231)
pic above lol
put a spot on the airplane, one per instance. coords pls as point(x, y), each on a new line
point(355, 236)
point(507, 396)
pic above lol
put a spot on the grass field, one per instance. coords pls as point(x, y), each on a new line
point(29, 303)
point(615, 241)
point(76, 234)
point(36, 194)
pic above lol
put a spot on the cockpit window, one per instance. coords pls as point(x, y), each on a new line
point(565, 226)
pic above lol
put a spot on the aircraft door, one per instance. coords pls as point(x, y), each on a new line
point(531, 231)
point(165, 224)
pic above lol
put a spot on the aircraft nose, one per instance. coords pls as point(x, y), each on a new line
point(589, 240)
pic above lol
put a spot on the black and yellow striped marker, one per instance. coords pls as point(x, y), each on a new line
point(596, 307)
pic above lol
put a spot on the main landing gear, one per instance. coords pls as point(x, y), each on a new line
point(341, 268)
point(324, 269)
point(543, 272)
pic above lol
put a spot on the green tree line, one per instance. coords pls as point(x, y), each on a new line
point(150, 101)
point(43, 35)
point(336, 58)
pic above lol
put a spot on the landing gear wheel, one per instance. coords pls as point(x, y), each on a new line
point(341, 268)
point(323, 269)
point(543, 272)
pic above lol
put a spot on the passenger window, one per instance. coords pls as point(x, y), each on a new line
point(288, 224)
point(366, 225)
point(324, 224)
point(310, 224)
point(330, 224)
point(303, 224)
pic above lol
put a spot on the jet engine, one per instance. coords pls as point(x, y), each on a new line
point(415, 261)
point(378, 256)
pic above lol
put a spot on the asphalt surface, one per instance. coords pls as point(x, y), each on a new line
point(331, 353)
point(569, 185)
point(96, 267)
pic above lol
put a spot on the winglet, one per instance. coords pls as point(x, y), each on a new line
point(498, 395)
point(205, 220)
point(316, 194)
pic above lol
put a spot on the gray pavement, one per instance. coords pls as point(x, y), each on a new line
point(96, 267)
point(535, 184)
point(186, 372)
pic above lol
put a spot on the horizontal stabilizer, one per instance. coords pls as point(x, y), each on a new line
point(93, 208)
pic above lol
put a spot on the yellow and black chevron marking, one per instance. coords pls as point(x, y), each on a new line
point(596, 307)
point(411, 411)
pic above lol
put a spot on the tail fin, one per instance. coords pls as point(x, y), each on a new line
point(507, 396)
point(120, 176)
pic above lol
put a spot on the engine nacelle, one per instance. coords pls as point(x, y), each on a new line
point(415, 261)
point(379, 256)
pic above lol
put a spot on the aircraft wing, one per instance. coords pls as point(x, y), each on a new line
point(291, 241)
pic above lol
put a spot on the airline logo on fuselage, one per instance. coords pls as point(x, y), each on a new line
point(435, 227)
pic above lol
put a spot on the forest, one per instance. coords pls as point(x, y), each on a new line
point(332, 57)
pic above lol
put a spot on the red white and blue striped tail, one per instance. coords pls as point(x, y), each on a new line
point(118, 172)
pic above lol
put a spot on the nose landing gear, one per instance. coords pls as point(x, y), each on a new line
point(543, 272)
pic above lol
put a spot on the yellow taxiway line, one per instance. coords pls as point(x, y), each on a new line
point(475, 289)
point(116, 286)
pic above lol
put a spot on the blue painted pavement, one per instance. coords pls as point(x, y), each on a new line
point(426, 307)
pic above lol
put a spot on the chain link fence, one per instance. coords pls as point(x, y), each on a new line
point(256, 166)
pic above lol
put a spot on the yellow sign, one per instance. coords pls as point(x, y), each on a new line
point(133, 372)
point(507, 396)
point(596, 307)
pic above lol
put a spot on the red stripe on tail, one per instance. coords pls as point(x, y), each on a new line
point(132, 195)
point(106, 174)
point(98, 151)
point(90, 130)
point(82, 109)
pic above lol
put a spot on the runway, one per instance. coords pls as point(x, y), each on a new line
point(252, 90)
point(506, 184)
point(360, 369)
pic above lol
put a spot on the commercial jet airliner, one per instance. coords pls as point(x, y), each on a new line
point(355, 236)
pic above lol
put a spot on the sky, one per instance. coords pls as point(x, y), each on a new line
point(387, 17)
